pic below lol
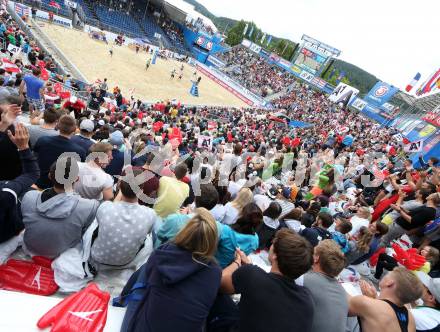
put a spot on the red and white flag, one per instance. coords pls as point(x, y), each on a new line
point(9, 66)
point(55, 4)
point(414, 81)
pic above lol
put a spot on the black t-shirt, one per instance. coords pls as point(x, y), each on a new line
point(10, 166)
point(315, 235)
point(271, 302)
point(96, 101)
point(419, 217)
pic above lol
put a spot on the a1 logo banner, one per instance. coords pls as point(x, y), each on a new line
point(344, 94)
point(204, 142)
point(13, 49)
point(416, 146)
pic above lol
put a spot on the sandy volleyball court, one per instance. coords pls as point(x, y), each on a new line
point(127, 70)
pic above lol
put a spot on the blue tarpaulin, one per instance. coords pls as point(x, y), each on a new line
point(299, 124)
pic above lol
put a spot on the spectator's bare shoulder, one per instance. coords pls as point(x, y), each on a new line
point(362, 305)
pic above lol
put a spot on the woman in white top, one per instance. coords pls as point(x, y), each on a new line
point(93, 182)
point(233, 209)
point(361, 219)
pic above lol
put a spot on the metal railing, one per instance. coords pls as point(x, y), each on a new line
point(25, 28)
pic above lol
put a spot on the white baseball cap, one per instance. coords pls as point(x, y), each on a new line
point(433, 284)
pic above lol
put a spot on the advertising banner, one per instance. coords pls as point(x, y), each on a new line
point(306, 76)
point(204, 142)
point(203, 42)
point(274, 57)
point(69, 3)
point(296, 69)
point(359, 104)
point(344, 94)
point(431, 142)
point(319, 82)
point(284, 63)
point(263, 52)
point(246, 43)
point(216, 61)
point(230, 85)
point(21, 10)
point(433, 117)
point(322, 47)
point(380, 93)
point(389, 107)
point(13, 49)
point(413, 147)
point(255, 48)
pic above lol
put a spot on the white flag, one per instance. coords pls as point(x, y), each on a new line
point(262, 39)
point(245, 29)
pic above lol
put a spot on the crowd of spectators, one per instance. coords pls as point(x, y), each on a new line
point(234, 201)
point(173, 31)
point(254, 72)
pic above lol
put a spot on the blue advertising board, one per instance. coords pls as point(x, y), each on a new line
point(381, 93)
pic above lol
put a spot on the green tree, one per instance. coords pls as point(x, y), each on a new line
point(235, 34)
point(279, 48)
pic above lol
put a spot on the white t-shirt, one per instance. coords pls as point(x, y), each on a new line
point(234, 188)
point(263, 201)
point(231, 214)
point(218, 212)
point(92, 181)
point(426, 318)
point(357, 223)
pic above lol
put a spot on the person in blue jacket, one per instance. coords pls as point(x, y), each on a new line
point(242, 234)
point(348, 140)
point(181, 281)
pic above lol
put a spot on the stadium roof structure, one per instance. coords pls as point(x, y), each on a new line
point(428, 103)
point(182, 12)
point(411, 104)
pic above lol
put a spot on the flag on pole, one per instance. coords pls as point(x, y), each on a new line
point(414, 81)
point(245, 29)
point(431, 84)
point(269, 39)
point(332, 73)
point(340, 77)
point(54, 4)
point(263, 38)
point(285, 47)
point(251, 31)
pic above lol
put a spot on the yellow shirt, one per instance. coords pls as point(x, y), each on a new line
point(170, 196)
point(173, 112)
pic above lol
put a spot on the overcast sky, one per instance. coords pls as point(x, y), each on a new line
point(391, 39)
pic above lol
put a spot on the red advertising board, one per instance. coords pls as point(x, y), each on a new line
point(433, 117)
point(224, 85)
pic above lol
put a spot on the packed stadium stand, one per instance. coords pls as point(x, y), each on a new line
point(174, 34)
point(254, 72)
